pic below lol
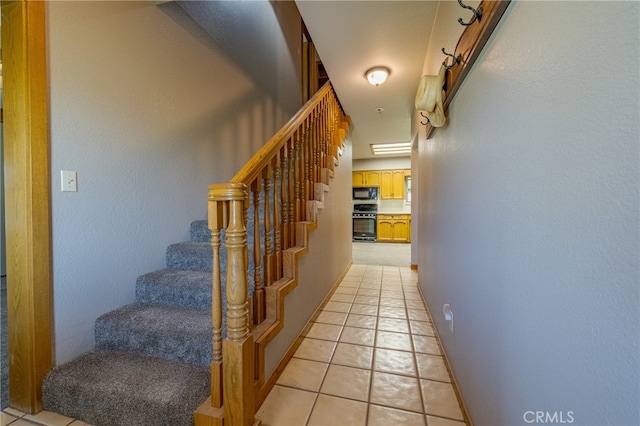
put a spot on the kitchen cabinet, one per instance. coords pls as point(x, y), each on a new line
point(392, 184)
point(394, 228)
point(366, 178)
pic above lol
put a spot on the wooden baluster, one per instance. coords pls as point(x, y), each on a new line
point(304, 161)
point(305, 171)
point(310, 180)
point(323, 137)
point(238, 347)
point(328, 132)
point(268, 249)
point(277, 216)
point(327, 148)
point(284, 196)
point(334, 112)
point(216, 222)
point(258, 293)
point(316, 146)
point(334, 126)
point(320, 132)
point(339, 129)
point(245, 210)
point(314, 138)
point(291, 191)
point(297, 175)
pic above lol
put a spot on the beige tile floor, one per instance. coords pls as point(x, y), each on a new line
point(45, 418)
point(371, 357)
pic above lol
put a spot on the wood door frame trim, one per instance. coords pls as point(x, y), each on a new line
point(28, 193)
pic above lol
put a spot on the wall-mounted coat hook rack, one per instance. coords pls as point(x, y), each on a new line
point(454, 60)
point(469, 47)
point(477, 14)
point(424, 116)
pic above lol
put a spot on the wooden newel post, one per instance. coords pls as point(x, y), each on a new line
point(237, 348)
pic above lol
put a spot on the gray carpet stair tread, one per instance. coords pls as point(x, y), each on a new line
point(191, 255)
point(199, 231)
point(177, 287)
point(196, 256)
point(169, 332)
point(150, 365)
point(123, 389)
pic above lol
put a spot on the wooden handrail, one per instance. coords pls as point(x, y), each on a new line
point(276, 190)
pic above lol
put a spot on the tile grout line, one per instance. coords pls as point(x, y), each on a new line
point(373, 355)
point(414, 353)
point(318, 393)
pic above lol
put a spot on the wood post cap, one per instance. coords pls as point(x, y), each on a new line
point(227, 191)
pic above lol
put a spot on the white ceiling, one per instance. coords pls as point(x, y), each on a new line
point(353, 36)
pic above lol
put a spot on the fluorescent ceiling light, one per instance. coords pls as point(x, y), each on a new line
point(391, 148)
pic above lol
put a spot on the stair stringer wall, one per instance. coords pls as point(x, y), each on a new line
point(315, 267)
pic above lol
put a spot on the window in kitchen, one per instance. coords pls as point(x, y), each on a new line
point(407, 189)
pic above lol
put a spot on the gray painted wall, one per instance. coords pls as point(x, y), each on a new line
point(3, 261)
point(149, 111)
point(529, 221)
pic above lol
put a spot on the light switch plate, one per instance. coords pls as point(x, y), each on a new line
point(69, 181)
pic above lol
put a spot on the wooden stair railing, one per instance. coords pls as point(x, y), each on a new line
point(279, 186)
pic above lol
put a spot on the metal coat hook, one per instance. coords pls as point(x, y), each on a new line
point(477, 14)
point(424, 116)
point(456, 60)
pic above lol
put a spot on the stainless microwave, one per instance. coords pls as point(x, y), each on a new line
point(365, 192)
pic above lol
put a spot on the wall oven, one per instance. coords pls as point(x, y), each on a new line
point(365, 222)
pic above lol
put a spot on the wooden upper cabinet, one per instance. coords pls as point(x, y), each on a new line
point(386, 183)
point(392, 184)
point(358, 178)
point(372, 177)
point(366, 178)
point(397, 185)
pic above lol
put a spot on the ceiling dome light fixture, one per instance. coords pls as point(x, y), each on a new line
point(377, 75)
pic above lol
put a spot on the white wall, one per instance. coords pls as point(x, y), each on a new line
point(148, 113)
point(392, 163)
point(529, 221)
point(415, 199)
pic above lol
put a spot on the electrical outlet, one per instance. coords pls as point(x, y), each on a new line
point(69, 181)
point(448, 315)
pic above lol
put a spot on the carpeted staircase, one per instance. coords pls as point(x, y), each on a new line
point(151, 362)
